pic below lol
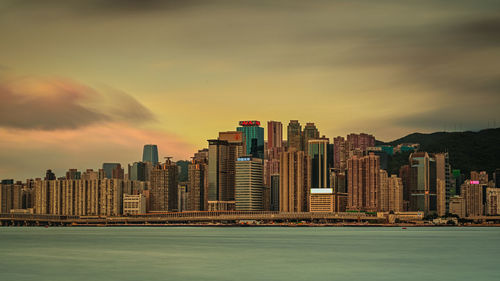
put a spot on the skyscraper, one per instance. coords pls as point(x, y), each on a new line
point(254, 138)
point(111, 170)
point(363, 182)
point(390, 193)
point(496, 177)
point(294, 135)
point(274, 134)
point(197, 187)
point(163, 192)
point(492, 206)
point(361, 141)
point(472, 192)
point(444, 177)
point(317, 150)
point(275, 193)
point(137, 171)
point(482, 176)
point(310, 133)
point(222, 155)
point(150, 154)
point(295, 170)
point(249, 183)
point(423, 182)
point(49, 175)
point(340, 153)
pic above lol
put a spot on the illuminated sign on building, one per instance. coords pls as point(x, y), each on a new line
point(244, 159)
point(474, 182)
point(321, 190)
point(249, 123)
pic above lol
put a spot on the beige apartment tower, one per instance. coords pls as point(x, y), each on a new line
point(295, 174)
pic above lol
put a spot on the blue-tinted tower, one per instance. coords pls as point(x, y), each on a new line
point(150, 154)
point(254, 137)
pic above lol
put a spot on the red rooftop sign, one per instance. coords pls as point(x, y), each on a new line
point(249, 123)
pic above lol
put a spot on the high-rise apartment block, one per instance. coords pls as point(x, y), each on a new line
point(340, 153)
point(360, 141)
point(197, 186)
point(163, 192)
point(472, 192)
point(492, 206)
point(457, 206)
point(274, 134)
point(80, 197)
point(482, 177)
point(294, 135)
point(295, 181)
point(390, 194)
point(363, 182)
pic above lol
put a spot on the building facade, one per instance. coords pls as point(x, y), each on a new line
point(294, 181)
point(249, 184)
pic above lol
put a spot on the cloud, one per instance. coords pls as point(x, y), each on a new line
point(87, 147)
point(57, 103)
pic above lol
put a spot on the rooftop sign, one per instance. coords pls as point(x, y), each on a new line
point(249, 123)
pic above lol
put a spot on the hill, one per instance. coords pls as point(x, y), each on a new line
point(468, 150)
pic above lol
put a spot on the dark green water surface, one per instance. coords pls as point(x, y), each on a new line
point(249, 253)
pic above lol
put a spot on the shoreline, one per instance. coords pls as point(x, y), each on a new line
point(262, 225)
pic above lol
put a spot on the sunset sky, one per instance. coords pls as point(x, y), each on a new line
point(87, 82)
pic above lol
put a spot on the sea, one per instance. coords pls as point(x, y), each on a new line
point(249, 253)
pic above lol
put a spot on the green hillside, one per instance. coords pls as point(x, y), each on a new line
point(468, 150)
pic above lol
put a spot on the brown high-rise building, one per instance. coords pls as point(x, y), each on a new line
point(272, 154)
point(361, 141)
point(492, 201)
point(390, 195)
point(294, 181)
point(482, 177)
point(363, 180)
point(472, 193)
point(341, 153)
point(80, 197)
point(457, 206)
point(383, 192)
point(404, 174)
point(274, 134)
point(223, 153)
point(294, 135)
point(197, 186)
point(163, 194)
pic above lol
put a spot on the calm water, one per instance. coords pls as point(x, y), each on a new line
point(249, 254)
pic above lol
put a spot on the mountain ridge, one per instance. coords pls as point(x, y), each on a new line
point(468, 150)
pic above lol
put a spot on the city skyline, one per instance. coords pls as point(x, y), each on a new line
point(83, 82)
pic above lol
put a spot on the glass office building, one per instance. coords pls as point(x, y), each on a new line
point(254, 137)
point(150, 154)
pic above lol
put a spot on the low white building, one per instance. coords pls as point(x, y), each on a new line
point(134, 204)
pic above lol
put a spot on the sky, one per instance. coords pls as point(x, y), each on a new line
point(87, 82)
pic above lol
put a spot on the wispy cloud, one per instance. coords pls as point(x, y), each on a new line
point(59, 103)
